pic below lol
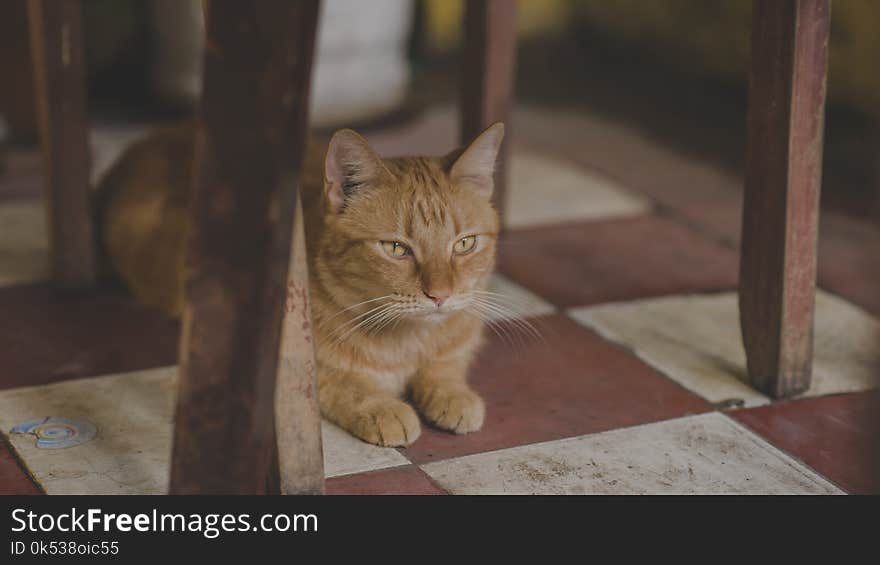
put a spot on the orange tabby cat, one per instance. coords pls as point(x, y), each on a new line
point(400, 254)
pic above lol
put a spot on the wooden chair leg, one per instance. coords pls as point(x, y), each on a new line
point(249, 146)
point(298, 417)
point(488, 71)
point(59, 74)
point(783, 178)
point(18, 104)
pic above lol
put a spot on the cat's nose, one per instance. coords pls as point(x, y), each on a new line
point(437, 296)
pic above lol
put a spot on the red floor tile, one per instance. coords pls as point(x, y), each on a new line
point(573, 383)
point(835, 435)
point(407, 479)
point(47, 337)
point(666, 174)
point(849, 260)
point(13, 479)
point(848, 247)
point(721, 219)
point(593, 262)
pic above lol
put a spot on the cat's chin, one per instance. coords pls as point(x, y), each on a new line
point(434, 316)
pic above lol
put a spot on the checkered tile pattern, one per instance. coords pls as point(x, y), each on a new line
point(622, 253)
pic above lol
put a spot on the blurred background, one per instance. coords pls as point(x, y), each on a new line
point(674, 69)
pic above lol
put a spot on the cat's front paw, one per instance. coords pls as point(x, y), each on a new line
point(452, 407)
point(387, 422)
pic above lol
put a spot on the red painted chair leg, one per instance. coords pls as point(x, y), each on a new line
point(60, 85)
point(488, 70)
point(783, 178)
point(249, 148)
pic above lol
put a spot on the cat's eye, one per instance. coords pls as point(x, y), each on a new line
point(464, 245)
point(396, 249)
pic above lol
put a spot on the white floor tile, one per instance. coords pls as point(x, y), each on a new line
point(132, 450)
point(344, 454)
point(544, 190)
point(695, 340)
point(704, 454)
point(131, 453)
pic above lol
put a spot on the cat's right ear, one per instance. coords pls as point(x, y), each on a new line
point(350, 166)
point(475, 166)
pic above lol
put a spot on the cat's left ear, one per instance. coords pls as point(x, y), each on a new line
point(475, 167)
point(350, 165)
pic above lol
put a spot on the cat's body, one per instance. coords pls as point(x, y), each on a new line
point(400, 253)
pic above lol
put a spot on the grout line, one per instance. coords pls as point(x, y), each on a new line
point(790, 460)
point(629, 350)
point(431, 480)
point(567, 438)
point(371, 470)
point(21, 463)
point(656, 206)
point(401, 466)
point(766, 442)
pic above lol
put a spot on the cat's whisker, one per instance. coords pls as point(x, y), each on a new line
point(519, 305)
point(511, 309)
point(368, 323)
point(385, 319)
point(490, 318)
point(393, 317)
point(494, 326)
point(524, 326)
point(396, 321)
point(510, 316)
point(506, 314)
point(518, 335)
point(515, 334)
point(379, 320)
point(364, 318)
point(353, 306)
point(360, 316)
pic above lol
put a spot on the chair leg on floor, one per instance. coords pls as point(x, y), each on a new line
point(60, 85)
point(249, 147)
point(298, 416)
point(783, 178)
point(487, 78)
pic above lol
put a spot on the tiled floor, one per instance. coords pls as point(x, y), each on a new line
point(610, 261)
point(620, 251)
point(694, 340)
point(701, 454)
point(836, 435)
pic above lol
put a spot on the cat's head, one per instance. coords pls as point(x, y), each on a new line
point(413, 235)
